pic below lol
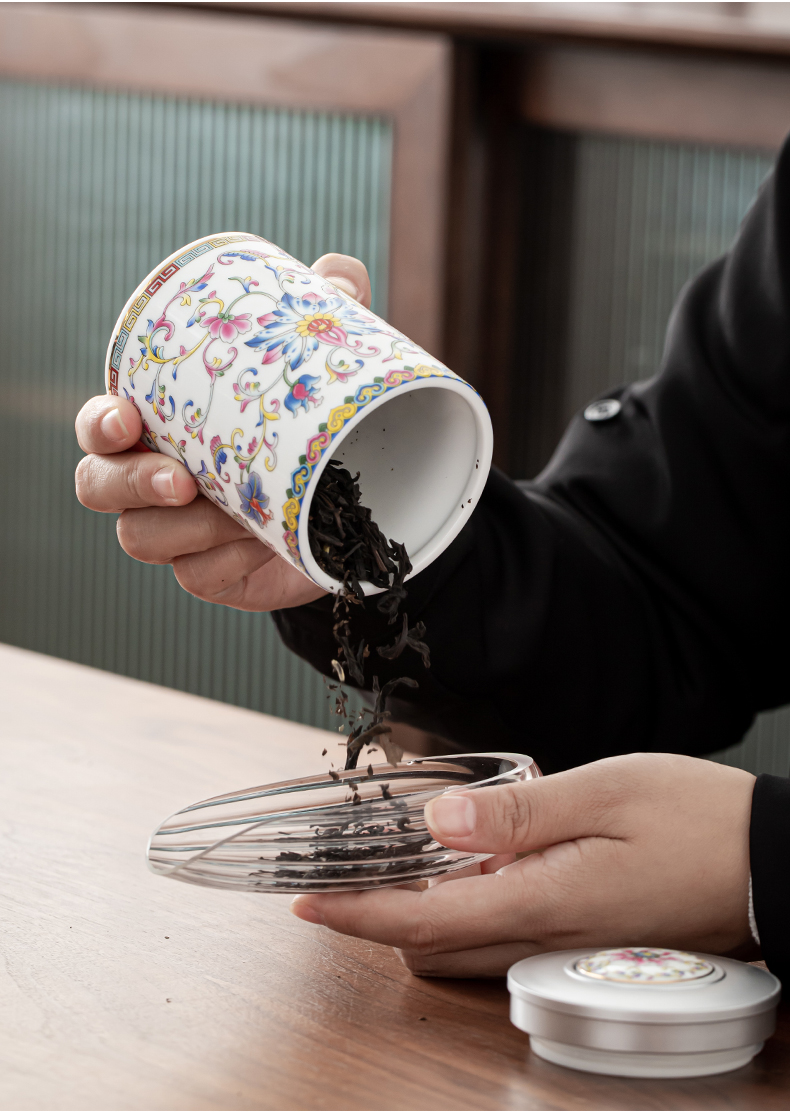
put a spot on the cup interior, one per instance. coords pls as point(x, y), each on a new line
point(422, 458)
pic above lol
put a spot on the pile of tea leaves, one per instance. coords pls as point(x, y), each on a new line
point(328, 861)
point(350, 547)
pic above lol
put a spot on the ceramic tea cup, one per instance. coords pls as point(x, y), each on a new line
point(254, 371)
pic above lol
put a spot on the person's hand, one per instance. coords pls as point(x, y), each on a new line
point(164, 520)
point(646, 850)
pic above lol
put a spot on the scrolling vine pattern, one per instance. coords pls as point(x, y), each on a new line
point(295, 329)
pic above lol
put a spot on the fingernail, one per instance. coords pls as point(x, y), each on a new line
point(345, 285)
point(451, 816)
point(306, 912)
point(162, 483)
point(113, 427)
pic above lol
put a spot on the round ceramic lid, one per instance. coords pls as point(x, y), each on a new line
point(643, 985)
point(644, 965)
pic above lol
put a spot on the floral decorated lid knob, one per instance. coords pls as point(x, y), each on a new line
point(644, 965)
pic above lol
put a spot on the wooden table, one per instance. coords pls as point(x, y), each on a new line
point(121, 990)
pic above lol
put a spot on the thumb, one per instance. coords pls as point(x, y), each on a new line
point(525, 815)
point(346, 273)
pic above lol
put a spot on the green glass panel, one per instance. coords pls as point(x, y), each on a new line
point(647, 217)
point(95, 189)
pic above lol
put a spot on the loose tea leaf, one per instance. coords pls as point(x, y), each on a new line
point(411, 638)
point(363, 738)
point(392, 751)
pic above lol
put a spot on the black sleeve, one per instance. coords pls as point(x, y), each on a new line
point(769, 839)
point(636, 596)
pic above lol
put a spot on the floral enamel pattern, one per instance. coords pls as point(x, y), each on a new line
point(298, 326)
point(235, 312)
point(253, 500)
point(644, 965)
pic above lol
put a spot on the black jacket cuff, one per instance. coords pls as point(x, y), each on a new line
point(769, 839)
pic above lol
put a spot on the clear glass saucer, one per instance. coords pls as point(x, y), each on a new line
point(363, 829)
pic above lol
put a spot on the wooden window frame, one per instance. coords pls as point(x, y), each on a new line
point(659, 94)
point(238, 58)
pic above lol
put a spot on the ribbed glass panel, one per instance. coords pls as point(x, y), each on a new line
point(765, 749)
point(95, 189)
point(646, 217)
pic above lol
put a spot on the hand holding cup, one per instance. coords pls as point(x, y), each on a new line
point(164, 520)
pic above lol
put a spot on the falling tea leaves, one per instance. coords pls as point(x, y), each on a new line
point(350, 547)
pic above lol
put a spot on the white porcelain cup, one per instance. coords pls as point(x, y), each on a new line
point(254, 371)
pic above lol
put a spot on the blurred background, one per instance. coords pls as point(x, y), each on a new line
point(530, 185)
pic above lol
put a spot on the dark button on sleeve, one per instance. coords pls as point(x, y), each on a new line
point(602, 410)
